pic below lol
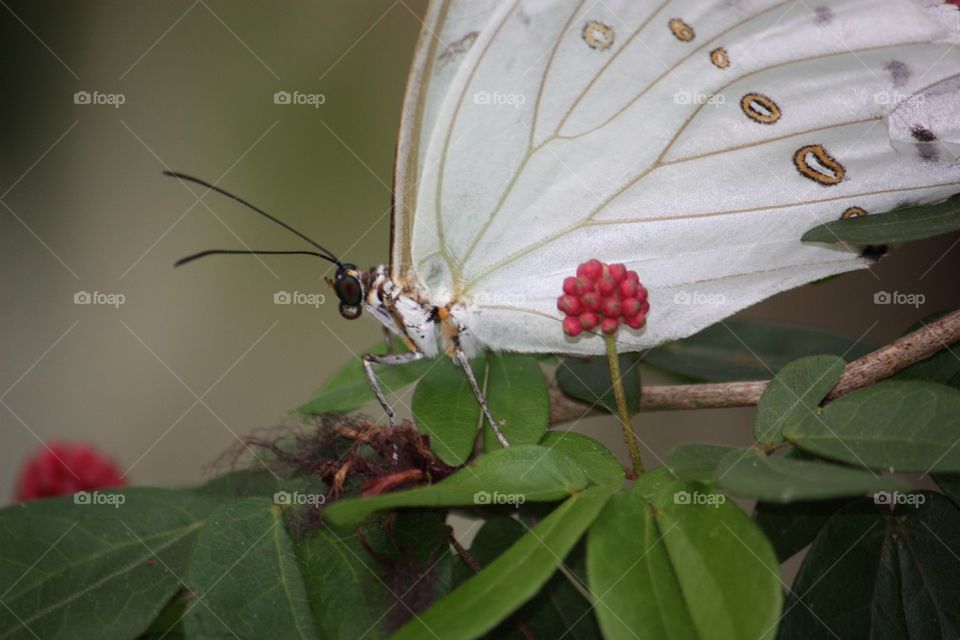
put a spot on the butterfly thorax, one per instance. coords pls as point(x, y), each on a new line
point(405, 312)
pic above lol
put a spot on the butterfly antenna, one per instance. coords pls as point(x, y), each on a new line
point(326, 253)
point(250, 252)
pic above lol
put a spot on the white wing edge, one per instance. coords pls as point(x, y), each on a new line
point(405, 169)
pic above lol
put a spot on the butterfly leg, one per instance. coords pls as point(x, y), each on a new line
point(467, 369)
point(388, 339)
point(369, 360)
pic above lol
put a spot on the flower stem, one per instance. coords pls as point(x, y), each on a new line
point(631, 439)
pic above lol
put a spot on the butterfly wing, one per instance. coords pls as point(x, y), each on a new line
point(693, 141)
point(449, 30)
point(929, 122)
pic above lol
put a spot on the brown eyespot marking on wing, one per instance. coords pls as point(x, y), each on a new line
point(597, 35)
point(853, 212)
point(720, 58)
point(681, 30)
point(760, 108)
point(821, 167)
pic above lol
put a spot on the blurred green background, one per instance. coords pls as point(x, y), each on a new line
point(199, 356)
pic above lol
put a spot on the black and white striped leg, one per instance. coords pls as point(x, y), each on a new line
point(465, 364)
point(369, 360)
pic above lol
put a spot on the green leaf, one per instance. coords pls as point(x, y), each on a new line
point(527, 473)
point(943, 366)
point(413, 546)
point(697, 462)
point(518, 398)
point(651, 483)
point(588, 379)
point(901, 225)
point(168, 624)
point(370, 587)
point(744, 350)
point(349, 388)
point(515, 577)
point(873, 573)
point(685, 564)
point(750, 474)
point(598, 463)
point(246, 578)
point(791, 527)
point(343, 584)
point(901, 426)
point(794, 395)
point(950, 485)
point(558, 610)
point(95, 570)
point(445, 409)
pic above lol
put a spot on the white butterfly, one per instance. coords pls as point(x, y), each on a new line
point(695, 141)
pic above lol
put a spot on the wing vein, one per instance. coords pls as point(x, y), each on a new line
point(528, 154)
point(454, 267)
point(670, 70)
point(517, 255)
point(602, 69)
point(531, 151)
point(708, 214)
point(657, 163)
point(766, 140)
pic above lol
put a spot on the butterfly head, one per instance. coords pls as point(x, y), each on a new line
point(348, 285)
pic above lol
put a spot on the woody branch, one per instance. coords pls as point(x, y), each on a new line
point(869, 369)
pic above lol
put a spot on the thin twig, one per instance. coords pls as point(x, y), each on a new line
point(869, 369)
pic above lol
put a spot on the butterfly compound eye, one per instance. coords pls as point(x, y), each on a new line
point(350, 292)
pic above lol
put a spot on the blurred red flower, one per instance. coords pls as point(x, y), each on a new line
point(66, 468)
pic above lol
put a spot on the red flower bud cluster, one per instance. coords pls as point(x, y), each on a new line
point(63, 469)
point(602, 295)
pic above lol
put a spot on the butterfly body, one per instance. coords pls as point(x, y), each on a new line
point(426, 326)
